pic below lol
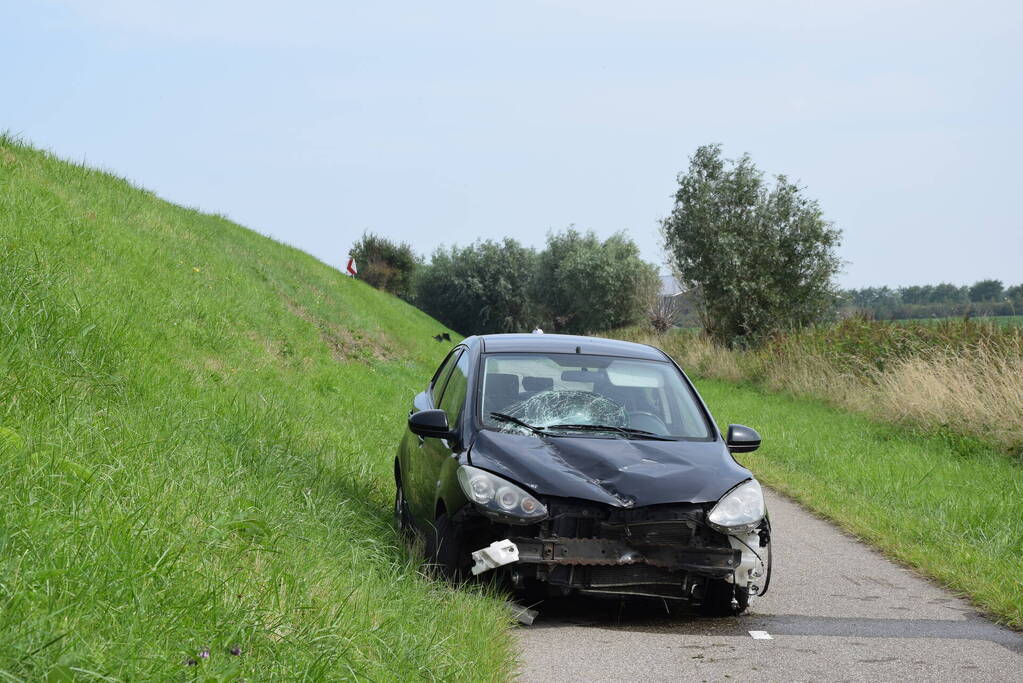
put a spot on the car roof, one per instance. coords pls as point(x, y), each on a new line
point(566, 343)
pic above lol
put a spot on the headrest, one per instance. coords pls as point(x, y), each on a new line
point(537, 383)
point(502, 383)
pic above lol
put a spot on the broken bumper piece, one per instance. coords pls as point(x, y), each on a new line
point(497, 554)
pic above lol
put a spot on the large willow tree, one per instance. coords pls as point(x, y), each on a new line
point(755, 259)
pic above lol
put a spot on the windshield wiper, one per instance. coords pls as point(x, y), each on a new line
point(628, 431)
point(501, 417)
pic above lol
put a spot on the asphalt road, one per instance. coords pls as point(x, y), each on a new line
point(836, 611)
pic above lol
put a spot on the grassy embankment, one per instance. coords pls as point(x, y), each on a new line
point(197, 427)
point(934, 488)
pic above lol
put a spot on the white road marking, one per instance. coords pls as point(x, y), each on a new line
point(760, 635)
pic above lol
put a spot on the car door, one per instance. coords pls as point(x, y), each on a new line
point(436, 452)
point(415, 474)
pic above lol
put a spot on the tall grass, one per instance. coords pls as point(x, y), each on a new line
point(962, 377)
point(197, 430)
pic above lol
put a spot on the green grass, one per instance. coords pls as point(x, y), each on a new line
point(197, 429)
point(944, 504)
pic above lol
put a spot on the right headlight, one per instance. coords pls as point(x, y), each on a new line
point(740, 510)
point(500, 497)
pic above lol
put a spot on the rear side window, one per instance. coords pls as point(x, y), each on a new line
point(452, 401)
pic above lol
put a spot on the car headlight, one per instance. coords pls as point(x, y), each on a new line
point(740, 510)
point(493, 494)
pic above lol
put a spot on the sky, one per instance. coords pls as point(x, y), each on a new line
point(442, 123)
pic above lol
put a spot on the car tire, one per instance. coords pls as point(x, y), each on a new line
point(402, 514)
point(444, 550)
point(723, 599)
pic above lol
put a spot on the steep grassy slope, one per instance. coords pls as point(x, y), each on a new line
point(197, 427)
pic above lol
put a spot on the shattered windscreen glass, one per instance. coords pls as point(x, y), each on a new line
point(545, 390)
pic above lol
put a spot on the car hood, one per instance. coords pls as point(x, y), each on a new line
point(615, 471)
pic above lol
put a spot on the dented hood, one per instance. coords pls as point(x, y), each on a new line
point(614, 471)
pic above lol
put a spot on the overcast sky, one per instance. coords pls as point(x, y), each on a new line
point(440, 123)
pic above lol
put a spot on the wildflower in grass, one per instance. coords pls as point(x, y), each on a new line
point(196, 268)
point(190, 662)
point(204, 653)
point(236, 650)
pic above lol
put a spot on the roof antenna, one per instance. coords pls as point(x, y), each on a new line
point(578, 349)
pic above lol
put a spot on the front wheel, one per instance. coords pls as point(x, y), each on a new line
point(402, 515)
point(444, 550)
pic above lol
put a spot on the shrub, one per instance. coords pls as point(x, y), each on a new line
point(386, 265)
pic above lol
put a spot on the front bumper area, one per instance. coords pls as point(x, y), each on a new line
point(665, 551)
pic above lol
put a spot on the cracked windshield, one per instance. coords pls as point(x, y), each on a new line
point(588, 395)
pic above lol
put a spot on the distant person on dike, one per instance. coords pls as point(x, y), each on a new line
point(537, 330)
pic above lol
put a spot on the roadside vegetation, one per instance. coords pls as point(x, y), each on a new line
point(197, 431)
point(959, 378)
point(950, 508)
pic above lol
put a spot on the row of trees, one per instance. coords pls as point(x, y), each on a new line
point(986, 297)
point(576, 284)
point(753, 258)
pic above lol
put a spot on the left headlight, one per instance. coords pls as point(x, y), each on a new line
point(740, 510)
point(493, 494)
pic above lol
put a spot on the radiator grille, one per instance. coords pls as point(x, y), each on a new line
point(632, 575)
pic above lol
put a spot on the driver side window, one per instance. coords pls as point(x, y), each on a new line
point(452, 401)
point(440, 379)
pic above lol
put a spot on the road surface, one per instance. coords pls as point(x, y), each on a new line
point(836, 611)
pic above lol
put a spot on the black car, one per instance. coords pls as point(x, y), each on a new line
point(581, 465)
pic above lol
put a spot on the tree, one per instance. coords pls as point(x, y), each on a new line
point(584, 285)
point(1015, 295)
point(481, 288)
point(986, 290)
point(947, 293)
point(916, 294)
point(385, 264)
point(755, 259)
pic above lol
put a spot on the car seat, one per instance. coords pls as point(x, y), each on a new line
point(500, 390)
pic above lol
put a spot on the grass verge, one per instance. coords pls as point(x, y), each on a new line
point(950, 507)
point(197, 430)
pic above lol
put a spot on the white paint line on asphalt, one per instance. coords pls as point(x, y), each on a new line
point(760, 635)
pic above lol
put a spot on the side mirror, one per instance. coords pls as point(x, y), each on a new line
point(429, 424)
point(742, 439)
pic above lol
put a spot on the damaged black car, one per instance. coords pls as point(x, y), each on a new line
point(577, 465)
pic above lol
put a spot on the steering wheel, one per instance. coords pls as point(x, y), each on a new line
point(647, 422)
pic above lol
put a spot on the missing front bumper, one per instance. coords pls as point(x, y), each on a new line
point(711, 562)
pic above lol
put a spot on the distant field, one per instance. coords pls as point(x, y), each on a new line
point(1001, 320)
point(197, 431)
